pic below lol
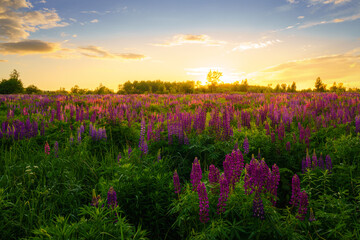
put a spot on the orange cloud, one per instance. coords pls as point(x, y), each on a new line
point(98, 52)
point(28, 47)
point(343, 68)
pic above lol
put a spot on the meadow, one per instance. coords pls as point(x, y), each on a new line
point(187, 166)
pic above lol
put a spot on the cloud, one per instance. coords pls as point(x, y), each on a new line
point(5, 5)
point(3, 60)
point(251, 45)
point(98, 52)
point(74, 35)
point(300, 17)
point(73, 19)
point(336, 20)
point(17, 21)
point(90, 12)
point(94, 21)
point(28, 47)
point(182, 39)
point(338, 68)
point(329, 1)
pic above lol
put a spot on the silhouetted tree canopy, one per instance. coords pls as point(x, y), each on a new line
point(12, 85)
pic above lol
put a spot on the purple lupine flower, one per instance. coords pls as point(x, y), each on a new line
point(56, 149)
point(357, 124)
point(258, 207)
point(224, 194)
point(312, 216)
point(176, 183)
point(295, 190)
point(288, 146)
point(119, 157)
point(328, 163)
point(214, 174)
point(272, 135)
point(71, 139)
point(142, 143)
point(303, 204)
point(95, 199)
point(303, 166)
point(256, 176)
point(111, 198)
point(246, 145)
point(129, 151)
point(314, 161)
point(203, 203)
point(236, 146)
point(228, 168)
point(196, 174)
point(273, 182)
point(47, 148)
point(79, 136)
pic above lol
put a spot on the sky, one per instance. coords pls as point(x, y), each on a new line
point(63, 43)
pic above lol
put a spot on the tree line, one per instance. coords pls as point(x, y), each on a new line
point(14, 85)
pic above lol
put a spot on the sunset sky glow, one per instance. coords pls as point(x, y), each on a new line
point(55, 43)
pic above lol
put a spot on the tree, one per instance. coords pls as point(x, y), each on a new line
point(277, 88)
point(32, 89)
point(101, 89)
point(13, 85)
point(292, 88)
point(319, 85)
point(213, 79)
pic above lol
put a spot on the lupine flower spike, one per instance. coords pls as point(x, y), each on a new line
point(111, 198)
point(196, 174)
point(47, 148)
point(118, 158)
point(258, 207)
point(203, 203)
point(246, 145)
point(95, 199)
point(312, 216)
point(295, 190)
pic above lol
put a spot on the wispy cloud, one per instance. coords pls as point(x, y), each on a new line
point(3, 60)
point(255, 45)
point(90, 12)
point(98, 52)
point(336, 20)
point(336, 2)
point(338, 68)
point(94, 21)
point(182, 39)
point(300, 17)
point(28, 47)
point(17, 20)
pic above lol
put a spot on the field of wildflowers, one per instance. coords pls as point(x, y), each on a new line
point(202, 166)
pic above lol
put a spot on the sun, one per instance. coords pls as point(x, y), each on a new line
point(228, 75)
